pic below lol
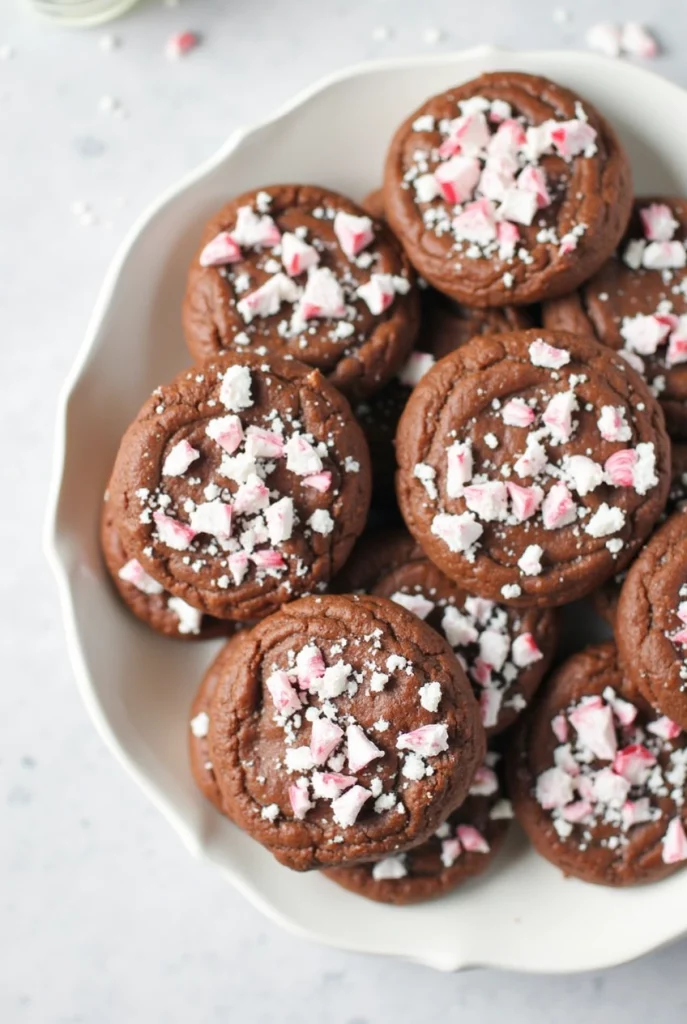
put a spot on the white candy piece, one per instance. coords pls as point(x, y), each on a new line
point(322, 297)
point(458, 532)
point(235, 390)
point(346, 808)
point(415, 603)
point(604, 38)
point(190, 618)
point(254, 231)
point(296, 255)
point(134, 573)
point(279, 519)
point(414, 370)
point(179, 459)
point(267, 299)
point(378, 293)
point(390, 869)
point(354, 233)
point(459, 467)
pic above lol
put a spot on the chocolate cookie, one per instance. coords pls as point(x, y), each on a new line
point(301, 271)
point(342, 729)
point(373, 203)
point(652, 618)
point(464, 846)
point(597, 780)
point(532, 466)
point(147, 598)
point(200, 756)
point(242, 484)
point(505, 652)
point(605, 599)
point(445, 326)
point(637, 304)
point(507, 190)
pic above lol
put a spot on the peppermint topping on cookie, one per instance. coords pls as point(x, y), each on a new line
point(612, 774)
point(325, 269)
point(478, 176)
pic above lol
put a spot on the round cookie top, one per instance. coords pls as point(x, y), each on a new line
point(147, 598)
point(302, 271)
point(637, 303)
point(462, 847)
point(652, 619)
point(532, 466)
point(507, 189)
point(505, 652)
point(598, 781)
point(242, 484)
point(343, 729)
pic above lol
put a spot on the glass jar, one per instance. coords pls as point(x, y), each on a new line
point(80, 12)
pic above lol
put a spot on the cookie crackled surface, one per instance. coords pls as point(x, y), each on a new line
point(532, 466)
point(299, 270)
point(507, 189)
point(242, 484)
point(341, 729)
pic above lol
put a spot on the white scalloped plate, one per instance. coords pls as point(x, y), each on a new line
point(522, 915)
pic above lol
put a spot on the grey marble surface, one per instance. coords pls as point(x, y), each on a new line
point(104, 917)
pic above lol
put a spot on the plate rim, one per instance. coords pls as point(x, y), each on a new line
point(60, 564)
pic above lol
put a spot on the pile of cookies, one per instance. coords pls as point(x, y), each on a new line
point(413, 431)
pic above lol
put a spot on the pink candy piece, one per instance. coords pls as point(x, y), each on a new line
point(252, 496)
point(674, 843)
point(508, 237)
point(619, 467)
point(490, 701)
point(682, 611)
point(680, 637)
point(533, 460)
point(559, 726)
point(480, 672)
point(485, 782)
point(264, 444)
point(354, 233)
point(643, 334)
point(472, 840)
point(427, 741)
point(359, 749)
point(543, 354)
point(213, 518)
point(635, 812)
point(378, 293)
point(238, 566)
point(477, 223)
point(525, 651)
point(174, 534)
point(346, 808)
point(612, 424)
point(300, 801)
point(134, 573)
point(622, 709)
point(320, 481)
point(181, 43)
point(310, 666)
point(524, 500)
point(665, 728)
point(658, 222)
point(279, 519)
point(468, 135)
point(570, 138)
point(322, 297)
point(450, 851)
point(577, 811)
point(268, 558)
point(634, 763)
point(227, 432)
point(252, 230)
point(458, 468)
point(677, 344)
point(458, 532)
point(457, 178)
point(638, 41)
point(329, 785)
point(222, 249)
point(517, 413)
point(593, 722)
point(497, 177)
point(554, 789)
point(533, 179)
point(558, 508)
point(324, 739)
point(267, 299)
point(179, 459)
point(416, 367)
point(488, 500)
point(285, 698)
point(507, 140)
point(296, 255)
point(558, 415)
point(301, 457)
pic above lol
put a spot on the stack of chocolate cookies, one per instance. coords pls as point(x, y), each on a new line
point(414, 431)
